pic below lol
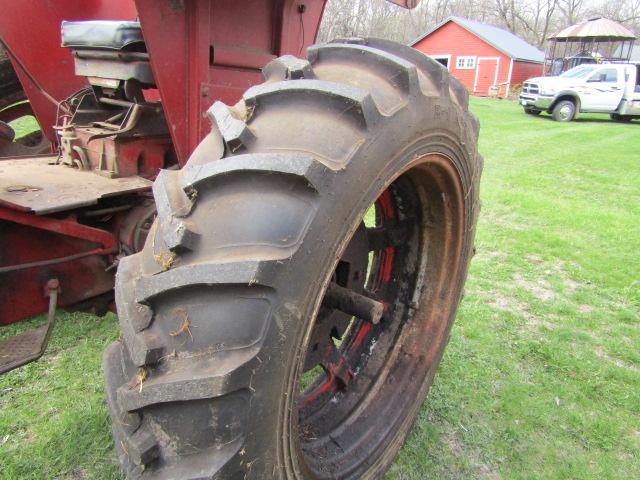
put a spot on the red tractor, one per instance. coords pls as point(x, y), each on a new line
point(290, 235)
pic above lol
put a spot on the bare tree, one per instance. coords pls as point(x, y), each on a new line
point(572, 10)
point(626, 12)
point(534, 20)
point(506, 10)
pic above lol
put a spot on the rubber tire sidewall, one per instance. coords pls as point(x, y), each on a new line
point(616, 117)
point(558, 107)
point(388, 173)
point(431, 123)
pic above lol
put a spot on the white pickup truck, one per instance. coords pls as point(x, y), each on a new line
point(601, 88)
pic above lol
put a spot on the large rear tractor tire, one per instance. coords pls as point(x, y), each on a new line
point(292, 302)
point(14, 105)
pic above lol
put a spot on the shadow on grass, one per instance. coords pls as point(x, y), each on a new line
point(548, 118)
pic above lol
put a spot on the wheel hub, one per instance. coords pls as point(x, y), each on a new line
point(565, 112)
point(332, 323)
point(352, 320)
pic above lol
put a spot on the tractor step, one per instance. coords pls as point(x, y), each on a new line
point(29, 346)
point(23, 348)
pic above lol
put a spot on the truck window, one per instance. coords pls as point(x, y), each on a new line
point(580, 71)
point(605, 75)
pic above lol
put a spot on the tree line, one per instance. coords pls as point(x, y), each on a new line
point(533, 20)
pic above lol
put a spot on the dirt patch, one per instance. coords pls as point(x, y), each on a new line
point(458, 449)
point(79, 474)
point(52, 357)
point(521, 309)
point(455, 447)
point(634, 436)
point(570, 284)
point(539, 288)
point(489, 254)
point(500, 302)
point(534, 259)
point(558, 269)
point(507, 304)
point(584, 308)
point(488, 472)
point(508, 221)
point(537, 323)
point(600, 353)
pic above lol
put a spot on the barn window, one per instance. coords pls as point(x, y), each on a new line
point(466, 63)
point(443, 60)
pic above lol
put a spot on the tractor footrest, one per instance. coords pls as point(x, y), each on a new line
point(23, 348)
point(29, 346)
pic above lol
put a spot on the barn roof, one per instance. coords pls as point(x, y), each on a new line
point(505, 41)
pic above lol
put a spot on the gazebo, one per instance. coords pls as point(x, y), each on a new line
point(592, 41)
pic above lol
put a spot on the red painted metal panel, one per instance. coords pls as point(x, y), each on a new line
point(42, 248)
point(22, 292)
point(214, 50)
point(31, 31)
point(69, 227)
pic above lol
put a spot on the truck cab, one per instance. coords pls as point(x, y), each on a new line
point(601, 88)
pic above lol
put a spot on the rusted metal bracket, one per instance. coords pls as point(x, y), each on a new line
point(353, 303)
point(130, 120)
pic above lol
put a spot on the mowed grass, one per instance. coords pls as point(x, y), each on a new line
point(541, 378)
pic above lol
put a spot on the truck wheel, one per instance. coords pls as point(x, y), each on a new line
point(531, 111)
point(564, 111)
point(620, 118)
point(289, 309)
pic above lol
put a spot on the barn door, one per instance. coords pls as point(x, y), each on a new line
point(486, 75)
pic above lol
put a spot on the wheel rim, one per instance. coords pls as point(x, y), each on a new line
point(16, 110)
point(33, 143)
point(565, 112)
point(338, 340)
point(355, 371)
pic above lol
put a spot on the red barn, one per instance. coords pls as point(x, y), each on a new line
point(481, 56)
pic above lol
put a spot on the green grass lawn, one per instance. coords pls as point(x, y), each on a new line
point(541, 379)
